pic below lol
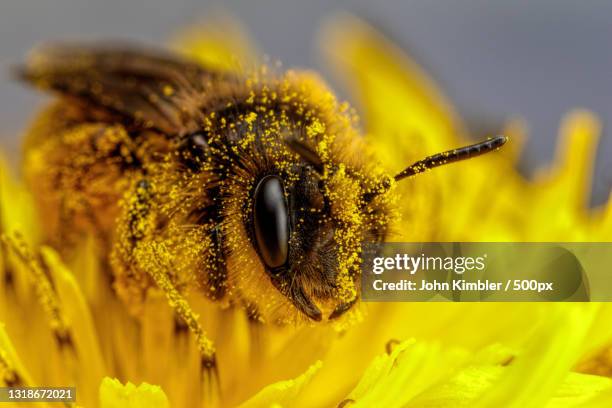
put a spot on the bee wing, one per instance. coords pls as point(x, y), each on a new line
point(147, 88)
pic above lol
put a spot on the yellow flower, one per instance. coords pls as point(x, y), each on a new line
point(62, 325)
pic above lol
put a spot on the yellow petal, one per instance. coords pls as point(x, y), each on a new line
point(17, 212)
point(393, 380)
point(602, 400)
point(8, 353)
point(553, 349)
point(218, 43)
point(283, 393)
point(466, 387)
point(113, 394)
point(570, 177)
point(402, 107)
point(81, 323)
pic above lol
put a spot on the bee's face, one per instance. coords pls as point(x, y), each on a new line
point(307, 234)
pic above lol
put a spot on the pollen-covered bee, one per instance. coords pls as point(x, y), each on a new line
point(255, 190)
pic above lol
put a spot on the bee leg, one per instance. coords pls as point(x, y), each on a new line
point(140, 254)
point(160, 272)
point(134, 228)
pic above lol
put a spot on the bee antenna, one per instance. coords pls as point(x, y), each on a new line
point(452, 156)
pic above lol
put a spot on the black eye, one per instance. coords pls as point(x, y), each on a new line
point(270, 222)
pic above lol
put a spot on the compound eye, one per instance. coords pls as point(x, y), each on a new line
point(271, 221)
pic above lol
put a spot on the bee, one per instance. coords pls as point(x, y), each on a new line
point(255, 190)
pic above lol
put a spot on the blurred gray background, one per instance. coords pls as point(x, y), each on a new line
point(536, 59)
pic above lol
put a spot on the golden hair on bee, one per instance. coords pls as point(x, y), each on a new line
point(255, 190)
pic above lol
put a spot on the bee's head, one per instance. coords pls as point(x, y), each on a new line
point(308, 231)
